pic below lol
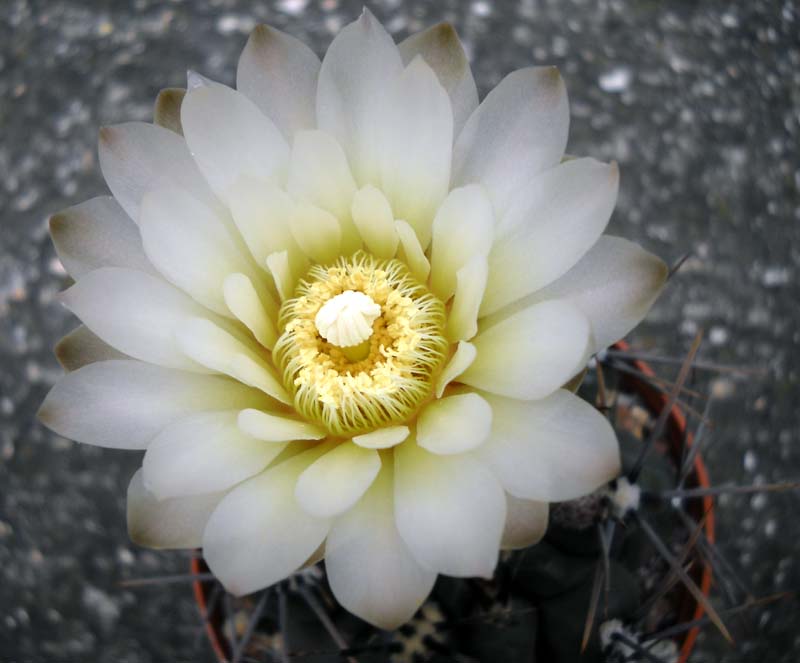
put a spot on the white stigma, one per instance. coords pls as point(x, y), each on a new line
point(346, 319)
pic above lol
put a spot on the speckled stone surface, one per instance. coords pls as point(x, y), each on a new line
point(697, 101)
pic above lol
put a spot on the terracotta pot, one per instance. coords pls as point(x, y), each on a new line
point(676, 434)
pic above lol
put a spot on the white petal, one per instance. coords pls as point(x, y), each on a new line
point(554, 221)
point(281, 270)
point(454, 424)
point(411, 251)
point(171, 523)
point(374, 220)
point(351, 95)
point(383, 438)
point(462, 323)
point(370, 569)
point(135, 157)
point(273, 428)
point(97, 233)
point(259, 534)
point(450, 511)
point(416, 147)
point(229, 137)
point(134, 312)
point(526, 522)
point(245, 303)
point(82, 347)
point(123, 404)
point(319, 174)
point(203, 453)
point(336, 481)
point(551, 450)
point(279, 73)
point(259, 374)
point(167, 109)
point(519, 130)
point(317, 232)
point(463, 227)
point(441, 48)
point(614, 285)
point(190, 245)
point(531, 353)
point(460, 361)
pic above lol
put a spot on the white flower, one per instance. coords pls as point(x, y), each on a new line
point(337, 306)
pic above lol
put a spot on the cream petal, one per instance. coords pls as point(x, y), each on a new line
point(383, 438)
point(319, 174)
point(550, 450)
point(135, 313)
point(462, 323)
point(170, 523)
point(450, 511)
point(123, 404)
point(463, 228)
point(370, 569)
point(614, 285)
point(526, 523)
point(279, 266)
point(229, 137)
point(336, 481)
point(135, 157)
point(203, 453)
point(454, 424)
point(442, 50)
point(244, 302)
point(531, 353)
point(351, 94)
point(279, 74)
point(97, 233)
point(167, 109)
point(274, 428)
point(256, 373)
point(259, 534)
point(372, 216)
point(416, 147)
point(411, 251)
point(316, 232)
point(460, 361)
point(519, 130)
point(554, 221)
point(82, 347)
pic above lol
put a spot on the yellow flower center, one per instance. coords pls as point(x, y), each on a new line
point(360, 344)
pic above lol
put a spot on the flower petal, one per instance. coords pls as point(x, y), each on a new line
point(526, 522)
point(259, 534)
point(165, 524)
point(245, 303)
point(134, 312)
point(614, 285)
point(450, 511)
point(460, 361)
point(411, 251)
point(383, 438)
point(273, 428)
point(454, 424)
point(230, 137)
point(550, 450)
point(82, 347)
point(336, 481)
point(351, 94)
point(279, 266)
point(97, 233)
point(442, 50)
point(370, 569)
point(123, 404)
point(463, 227)
point(167, 109)
point(532, 353)
point(203, 453)
point(135, 157)
point(462, 323)
point(316, 232)
point(374, 220)
point(519, 130)
point(416, 147)
point(279, 74)
point(552, 223)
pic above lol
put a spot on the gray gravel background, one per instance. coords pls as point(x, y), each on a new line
point(697, 101)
